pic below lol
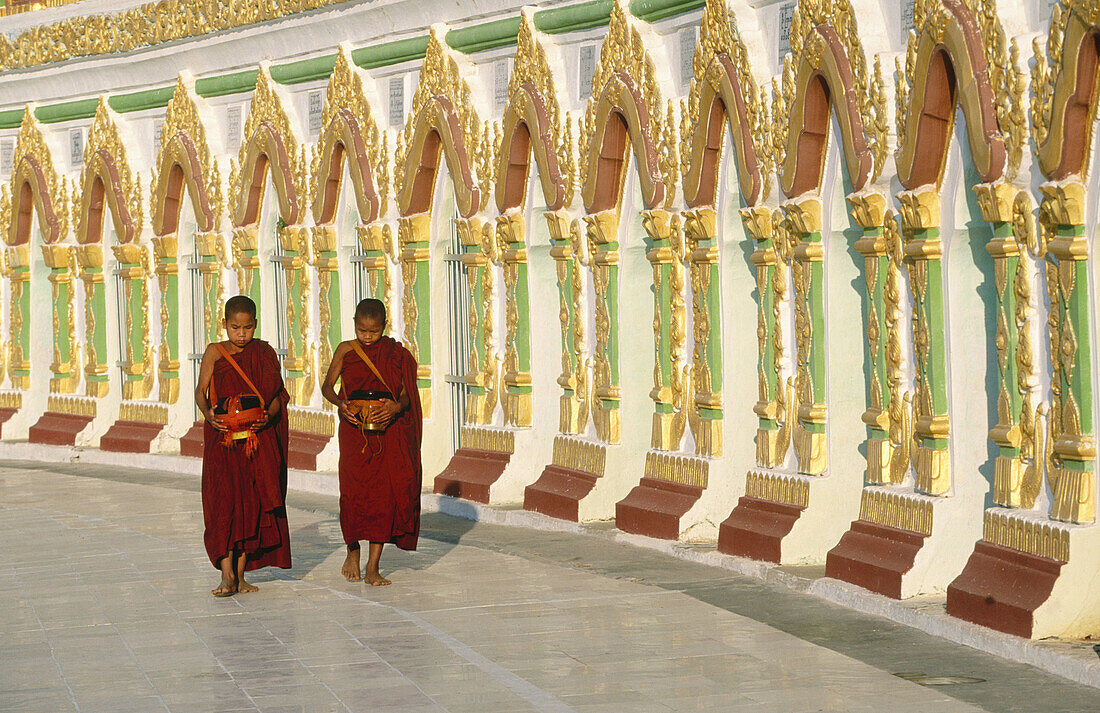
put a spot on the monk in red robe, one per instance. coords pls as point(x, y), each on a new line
point(243, 479)
point(380, 472)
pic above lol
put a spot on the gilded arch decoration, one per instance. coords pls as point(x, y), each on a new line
point(960, 44)
point(443, 120)
point(271, 150)
point(533, 106)
point(723, 93)
point(626, 99)
point(627, 114)
point(37, 189)
point(825, 75)
point(827, 70)
point(185, 158)
point(185, 162)
point(269, 144)
point(106, 178)
point(1064, 86)
point(534, 127)
point(1064, 100)
point(349, 133)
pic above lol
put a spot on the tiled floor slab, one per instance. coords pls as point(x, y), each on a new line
point(481, 619)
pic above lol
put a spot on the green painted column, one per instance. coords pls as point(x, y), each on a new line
point(668, 394)
point(96, 377)
point(325, 259)
point(246, 261)
point(923, 249)
point(478, 245)
point(868, 211)
point(1072, 477)
point(706, 409)
point(166, 253)
point(566, 250)
point(65, 369)
point(133, 264)
point(1012, 286)
point(413, 236)
point(774, 406)
point(602, 229)
point(512, 246)
point(808, 272)
point(294, 240)
point(211, 252)
point(19, 272)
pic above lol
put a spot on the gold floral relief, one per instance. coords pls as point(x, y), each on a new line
point(149, 24)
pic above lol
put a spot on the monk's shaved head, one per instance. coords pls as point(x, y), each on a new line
point(240, 305)
point(371, 309)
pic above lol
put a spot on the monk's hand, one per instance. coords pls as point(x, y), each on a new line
point(214, 421)
point(387, 410)
point(261, 423)
point(345, 412)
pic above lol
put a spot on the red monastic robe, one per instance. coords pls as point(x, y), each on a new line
point(244, 499)
point(380, 478)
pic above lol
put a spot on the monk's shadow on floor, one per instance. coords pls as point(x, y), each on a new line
point(314, 544)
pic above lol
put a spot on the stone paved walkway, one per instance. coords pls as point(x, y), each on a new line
point(104, 606)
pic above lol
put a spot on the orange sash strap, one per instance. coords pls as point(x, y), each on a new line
point(370, 364)
point(366, 359)
point(232, 436)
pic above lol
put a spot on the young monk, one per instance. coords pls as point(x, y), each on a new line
point(243, 485)
point(380, 471)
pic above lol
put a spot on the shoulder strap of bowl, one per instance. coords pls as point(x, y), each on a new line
point(235, 365)
point(366, 359)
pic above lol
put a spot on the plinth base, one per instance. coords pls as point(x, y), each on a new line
point(874, 557)
point(130, 437)
point(192, 442)
point(471, 473)
point(303, 448)
point(558, 492)
point(58, 429)
point(5, 416)
point(1001, 588)
point(654, 508)
point(756, 528)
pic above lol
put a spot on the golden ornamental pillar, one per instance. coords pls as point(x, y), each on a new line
point(413, 235)
point(669, 392)
point(1072, 470)
point(803, 218)
point(515, 396)
point(705, 414)
point(602, 230)
point(60, 259)
point(567, 251)
point(920, 215)
point(868, 210)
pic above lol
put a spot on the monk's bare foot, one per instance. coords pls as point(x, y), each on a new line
point(227, 588)
point(374, 579)
point(245, 588)
point(350, 570)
